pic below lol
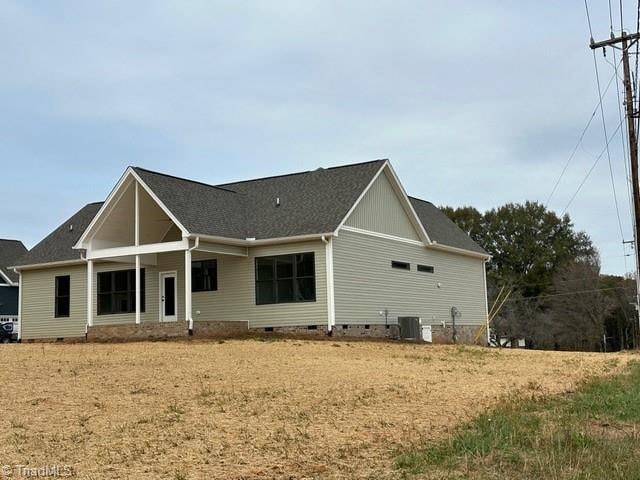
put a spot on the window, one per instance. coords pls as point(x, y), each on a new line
point(286, 279)
point(63, 292)
point(400, 265)
point(204, 276)
point(117, 292)
point(425, 268)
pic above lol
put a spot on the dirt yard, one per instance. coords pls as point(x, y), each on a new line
point(255, 409)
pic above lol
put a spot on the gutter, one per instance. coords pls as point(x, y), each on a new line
point(461, 251)
point(249, 242)
point(60, 263)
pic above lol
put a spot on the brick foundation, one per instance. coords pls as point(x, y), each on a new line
point(373, 331)
point(164, 331)
point(303, 330)
point(441, 335)
point(466, 334)
point(214, 329)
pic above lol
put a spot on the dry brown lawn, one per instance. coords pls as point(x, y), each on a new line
point(254, 409)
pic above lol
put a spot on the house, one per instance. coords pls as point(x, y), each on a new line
point(10, 252)
point(340, 251)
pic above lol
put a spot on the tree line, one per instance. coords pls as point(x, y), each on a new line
point(559, 299)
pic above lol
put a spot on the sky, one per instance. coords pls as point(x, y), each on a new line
point(474, 103)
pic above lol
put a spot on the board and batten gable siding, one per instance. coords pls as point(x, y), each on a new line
point(38, 303)
point(366, 284)
point(151, 295)
point(235, 298)
point(380, 210)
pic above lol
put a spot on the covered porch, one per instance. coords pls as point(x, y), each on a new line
point(142, 263)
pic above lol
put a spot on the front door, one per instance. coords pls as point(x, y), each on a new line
point(168, 295)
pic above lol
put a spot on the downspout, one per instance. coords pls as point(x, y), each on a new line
point(331, 313)
point(188, 283)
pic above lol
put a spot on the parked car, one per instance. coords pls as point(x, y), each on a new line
point(6, 333)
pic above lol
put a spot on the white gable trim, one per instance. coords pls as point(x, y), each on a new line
point(357, 202)
point(8, 281)
point(413, 216)
point(395, 238)
point(164, 208)
point(404, 199)
point(116, 193)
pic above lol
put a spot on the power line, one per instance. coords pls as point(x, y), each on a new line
point(610, 18)
point(586, 177)
point(586, 7)
point(577, 292)
point(604, 129)
point(580, 139)
point(636, 65)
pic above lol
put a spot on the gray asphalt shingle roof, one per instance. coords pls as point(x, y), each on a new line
point(312, 202)
point(10, 251)
point(57, 246)
point(200, 208)
point(441, 229)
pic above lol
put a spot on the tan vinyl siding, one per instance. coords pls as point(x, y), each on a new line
point(235, 298)
point(365, 283)
point(151, 295)
point(380, 210)
point(38, 303)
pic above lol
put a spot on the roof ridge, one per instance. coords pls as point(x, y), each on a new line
point(303, 172)
point(186, 179)
point(421, 200)
point(10, 240)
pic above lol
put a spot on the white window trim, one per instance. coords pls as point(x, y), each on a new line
point(175, 288)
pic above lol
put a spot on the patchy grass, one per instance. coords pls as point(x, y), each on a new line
point(592, 433)
point(263, 409)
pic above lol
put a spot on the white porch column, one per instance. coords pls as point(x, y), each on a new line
point(137, 242)
point(331, 307)
point(138, 289)
point(187, 288)
point(89, 293)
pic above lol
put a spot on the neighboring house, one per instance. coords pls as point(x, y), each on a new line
point(10, 252)
point(341, 250)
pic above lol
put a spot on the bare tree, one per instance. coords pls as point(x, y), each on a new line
point(578, 306)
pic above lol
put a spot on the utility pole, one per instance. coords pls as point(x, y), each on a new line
point(627, 42)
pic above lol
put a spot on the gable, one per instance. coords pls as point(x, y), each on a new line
point(382, 211)
point(115, 223)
